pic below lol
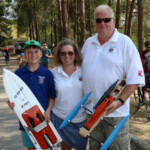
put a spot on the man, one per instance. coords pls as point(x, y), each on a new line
point(47, 54)
point(108, 56)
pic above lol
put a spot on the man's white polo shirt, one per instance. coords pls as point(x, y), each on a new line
point(68, 93)
point(104, 64)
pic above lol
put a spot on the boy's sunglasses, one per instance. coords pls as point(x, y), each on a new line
point(106, 20)
point(66, 53)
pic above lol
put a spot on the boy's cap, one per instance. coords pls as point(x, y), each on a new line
point(32, 43)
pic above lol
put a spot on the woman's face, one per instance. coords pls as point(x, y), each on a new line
point(67, 55)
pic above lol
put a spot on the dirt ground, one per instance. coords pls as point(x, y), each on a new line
point(139, 125)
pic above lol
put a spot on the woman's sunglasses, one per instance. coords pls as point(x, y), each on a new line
point(66, 53)
point(106, 20)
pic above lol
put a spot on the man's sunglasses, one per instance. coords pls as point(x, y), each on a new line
point(106, 20)
point(66, 53)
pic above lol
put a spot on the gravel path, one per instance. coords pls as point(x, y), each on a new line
point(10, 138)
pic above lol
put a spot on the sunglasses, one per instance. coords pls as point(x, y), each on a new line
point(66, 53)
point(106, 20)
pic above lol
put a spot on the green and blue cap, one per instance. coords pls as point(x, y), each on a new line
point(32, 43)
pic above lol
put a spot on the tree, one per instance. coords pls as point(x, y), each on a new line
point(60, 19)
point(130, 18)
point(118, 13)
point(140, 25)
point(65, 18)
point(126, 17)
point(5, 30)
point(82, 24)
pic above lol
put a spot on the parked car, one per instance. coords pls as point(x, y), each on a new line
point(19, 47)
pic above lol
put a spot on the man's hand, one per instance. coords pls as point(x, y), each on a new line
point(113, 106)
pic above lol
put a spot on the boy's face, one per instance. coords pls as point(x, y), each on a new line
point(33, 55)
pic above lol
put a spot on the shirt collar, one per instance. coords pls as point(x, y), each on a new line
point(113, 39)
point(26, 69)
point(60, 70)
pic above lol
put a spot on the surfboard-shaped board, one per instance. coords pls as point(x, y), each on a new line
point(100, 109)
point(30, 112)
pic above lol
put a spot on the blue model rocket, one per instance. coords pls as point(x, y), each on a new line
point(114, 133)
point(74, 111)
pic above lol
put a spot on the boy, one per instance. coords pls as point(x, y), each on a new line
point(39, 80)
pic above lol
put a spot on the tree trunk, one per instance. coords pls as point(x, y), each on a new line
point(75, 21)
point(110, 3)
point(82, 19)
point(60, 20)
point(77, 25)
point(126, 19)
point(37, 31)
point(140, 25)
point(55, 30)
point(32, 30)
point(65, 18)
point(118, 14)
point(90, 27)
point(130, 18)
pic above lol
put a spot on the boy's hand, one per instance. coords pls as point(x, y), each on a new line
point(47, 115)
point(11, 104)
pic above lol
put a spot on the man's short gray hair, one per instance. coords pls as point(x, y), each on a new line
point(102, 8)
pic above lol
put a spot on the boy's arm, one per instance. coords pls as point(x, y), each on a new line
point(49, 108)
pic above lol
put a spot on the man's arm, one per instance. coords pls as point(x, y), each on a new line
point(126, 93)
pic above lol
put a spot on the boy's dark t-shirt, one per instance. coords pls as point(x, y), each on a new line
point(41, 83)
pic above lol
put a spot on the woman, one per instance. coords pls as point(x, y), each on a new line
point(68, 86)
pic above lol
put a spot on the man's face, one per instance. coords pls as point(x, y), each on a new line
point(104, 29)
point(44, 46)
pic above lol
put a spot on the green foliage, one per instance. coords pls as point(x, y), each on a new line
point(2, 6)
point(5, 30)
point(43, 13)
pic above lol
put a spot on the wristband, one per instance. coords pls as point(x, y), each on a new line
point(122, 101)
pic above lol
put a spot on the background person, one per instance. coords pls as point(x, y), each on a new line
point(108, 56)
point(145, 56)
point(47, 54)
point(68, 86)
point(33, 73)
point(6, 54)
